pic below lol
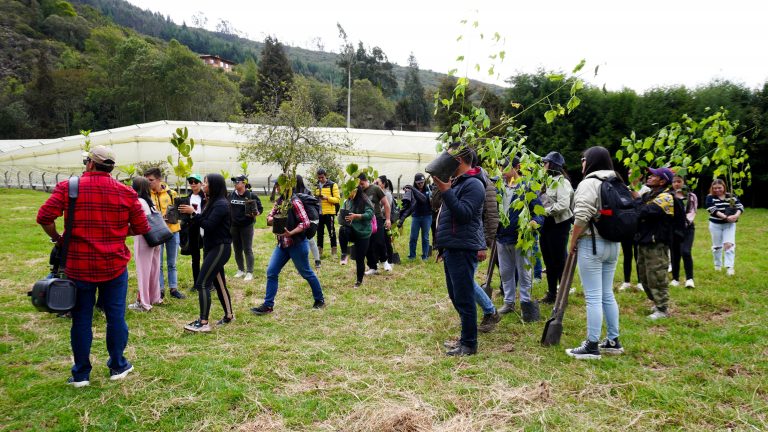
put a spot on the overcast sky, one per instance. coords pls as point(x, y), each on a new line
point(636, 44)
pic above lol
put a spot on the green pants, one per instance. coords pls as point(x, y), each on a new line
point(652, 264)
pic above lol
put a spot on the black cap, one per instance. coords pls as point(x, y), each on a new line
point(240, 178)
point(419, 177)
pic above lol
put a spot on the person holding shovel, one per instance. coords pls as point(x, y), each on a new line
point(596, 265)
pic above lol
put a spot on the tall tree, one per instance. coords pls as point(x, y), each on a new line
point(275, 76)
point(248, 85)
point(413, 110)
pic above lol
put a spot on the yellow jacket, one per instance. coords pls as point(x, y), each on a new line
point(162, 201)
point(331, 191)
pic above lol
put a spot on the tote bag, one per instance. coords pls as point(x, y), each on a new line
point(159, 232)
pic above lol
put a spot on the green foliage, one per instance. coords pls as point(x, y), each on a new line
point(183, 166)
point(412, 110)
point(86, 147)
point(351, 179)
point(57, 7)
point(371, 109)
point(275, 76)
point(142, 167)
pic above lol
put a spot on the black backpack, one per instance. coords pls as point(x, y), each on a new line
point(312, 207)
point(618, 215)
point(680, 221)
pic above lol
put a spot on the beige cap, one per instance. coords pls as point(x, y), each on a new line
point(102, 155)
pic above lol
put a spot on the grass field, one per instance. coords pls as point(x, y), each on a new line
point(373, 359)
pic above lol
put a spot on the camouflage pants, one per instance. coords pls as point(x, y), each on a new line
point(652, 263)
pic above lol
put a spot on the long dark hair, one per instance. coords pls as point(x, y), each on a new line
point(217, 189)
point(386, 182)
point(597, 159)
point(361, 200)
point(300, 187)
point(141, 186)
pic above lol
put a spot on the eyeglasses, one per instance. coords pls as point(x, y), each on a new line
point(86, 160)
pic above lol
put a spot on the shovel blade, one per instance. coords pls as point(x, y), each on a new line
point(552, 332)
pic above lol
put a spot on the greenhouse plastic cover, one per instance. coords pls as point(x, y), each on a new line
point(392, 153)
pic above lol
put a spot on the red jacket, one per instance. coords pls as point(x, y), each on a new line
point(104, 211)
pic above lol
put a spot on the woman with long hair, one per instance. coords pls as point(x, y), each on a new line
point(724, 211)
point(557, 222)
point(386, 185)
point(682, 237)
point(147, 257)
point(215, 220)
point(597, 264)
point(192, 233)
point(357, 229)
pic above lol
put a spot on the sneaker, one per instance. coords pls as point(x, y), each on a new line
point(239, 274)
point(77, 384)
point(461, 351)
point(225, 321)
point(572, 291)
point(387, 266)
point(319, 304)
point(344, 259)
point(639, 287)
point(689, 284)
point(115, 375)
point(261, 310)
point(137, 307)
point(674, 283)
point(657, 314)
point(718, 268)
point(248, 277)
point(611, 346)
point(489, 322)
point(587, 351)
point(729, 271)
point(358, 283)
point(536, 280)
point(507, 308)
point(197, 327)
point(625, 286)
point(371, 271)
point(177, 294)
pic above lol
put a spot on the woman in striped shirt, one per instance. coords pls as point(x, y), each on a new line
point(724, 211)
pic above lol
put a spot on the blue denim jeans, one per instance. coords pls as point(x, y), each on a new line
point(514, 266)
point(112, 298)
point(596, 272)
point(460, 266)
point(537, 265)
point(171, 248)
point(722, 234)
point(422, 223)
point(483, 300)
point(298, 253)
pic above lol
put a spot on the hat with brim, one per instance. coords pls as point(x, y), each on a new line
point(195, 177)
point(101, 155)
point(240, 178)
point(554, 158)
point(663, 173)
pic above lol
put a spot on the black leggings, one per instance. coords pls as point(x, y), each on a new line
point(326, 222)
point(346, 235)
point(554, 244)
point(194, 251)
point(628, 249)
point(377, 247)
point(212, 275)
point(681, 248)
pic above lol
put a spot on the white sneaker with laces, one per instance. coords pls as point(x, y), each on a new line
point(729, 271)
point(371, 271)
point(137, 307)
point(657, 314)
point(689, 284)
point(239, 274)
point(248, 277)
point(639, 287)
point(387, 266)
point(625, 286)
point(674, 283)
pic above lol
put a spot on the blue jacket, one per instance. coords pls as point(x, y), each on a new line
point(460, 222)
point(508, 234)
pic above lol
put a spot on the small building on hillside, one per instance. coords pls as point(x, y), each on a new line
point(216, 61)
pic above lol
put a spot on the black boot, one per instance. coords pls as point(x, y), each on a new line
point(550, 298)
point(530, 311)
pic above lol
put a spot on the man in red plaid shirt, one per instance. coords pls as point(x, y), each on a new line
point(106, 212)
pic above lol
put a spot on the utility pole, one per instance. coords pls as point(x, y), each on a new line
point(348, 54)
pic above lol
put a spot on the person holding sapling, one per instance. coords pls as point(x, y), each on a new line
point(385, 185)
point(292, 245)
point(377, 249)
point(356, 228)
point(243, 219)
point(724, 211)
point(682, 240)
point(418, 207)
point(189, 234)
point(328, 193)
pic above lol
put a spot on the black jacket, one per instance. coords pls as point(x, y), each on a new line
point(656, 217)
point(216, 222)
point(237, 204)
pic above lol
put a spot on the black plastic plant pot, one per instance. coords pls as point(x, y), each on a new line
point(279, 224)
point(343, 213)
point(443, 166)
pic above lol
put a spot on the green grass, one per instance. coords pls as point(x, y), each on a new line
point(373, 359)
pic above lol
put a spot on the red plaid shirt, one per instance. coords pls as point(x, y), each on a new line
point(301, 215)
point(104, 211)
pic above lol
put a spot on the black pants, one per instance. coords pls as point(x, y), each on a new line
point(629, 250)
point(194, 251)
point(681, 248)
point(326, 222)
point(212, 275)
point(377, 249)
point(242, 242)
point(347, 235)
point(554, 244)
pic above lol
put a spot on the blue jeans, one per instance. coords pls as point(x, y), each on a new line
point(298, 253)
point(422, 223)
point(171, 247)
point(460, 266)
point(112, 298)
point(537, 264)
point(483, 300)
point(596, 272)
point(514, 267)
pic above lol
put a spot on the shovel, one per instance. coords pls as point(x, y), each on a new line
point(553, 328)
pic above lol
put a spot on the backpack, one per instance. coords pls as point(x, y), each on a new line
point(312, 207)
point(680, 221)
point(618, 212)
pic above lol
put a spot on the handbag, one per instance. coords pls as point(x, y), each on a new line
point(56, 293)
point(159, 232)
point(374, 225)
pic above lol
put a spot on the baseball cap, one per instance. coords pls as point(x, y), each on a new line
point(195, 177)
point(240, 178)
point(664, 173)
point(419, 177)
point(101, 155)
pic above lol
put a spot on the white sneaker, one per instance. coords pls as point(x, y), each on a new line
point(625, 286)
point(674, 283)
point(689, 284)
point(371, 271)
point(239, 274)
point(639, 287)
point(248, 277)
point(729, 271)
point(572, 291)
point(387, 266)
point(137, 307)
point(657, 315)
